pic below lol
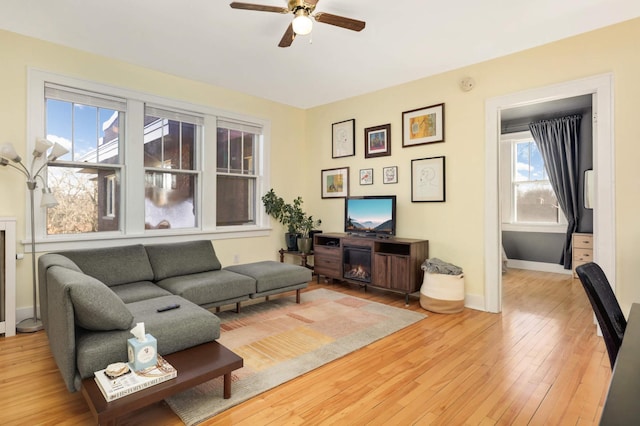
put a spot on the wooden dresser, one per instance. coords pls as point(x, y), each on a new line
point(582, 250)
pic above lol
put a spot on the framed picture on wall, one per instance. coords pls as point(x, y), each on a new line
point(390, 174)
point(423, 125)
point(428, 180)
point(335, 183)
point(366, 176)
point(343, 138)
point(377, 141)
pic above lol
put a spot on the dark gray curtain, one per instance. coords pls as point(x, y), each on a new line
point(557, 140)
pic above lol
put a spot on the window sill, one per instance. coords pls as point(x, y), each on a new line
point(547, 229)
point(72, 242)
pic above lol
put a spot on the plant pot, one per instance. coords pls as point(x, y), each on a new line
point(291, 241)
point(311, 235)
point(304, 245)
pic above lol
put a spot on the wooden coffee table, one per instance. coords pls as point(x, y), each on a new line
point(195, 365)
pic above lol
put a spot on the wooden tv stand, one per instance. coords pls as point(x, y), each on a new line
point(395, 262)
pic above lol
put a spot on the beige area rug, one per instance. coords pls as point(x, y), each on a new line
point(280, 340)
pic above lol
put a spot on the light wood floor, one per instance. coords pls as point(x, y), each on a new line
point(538, 363)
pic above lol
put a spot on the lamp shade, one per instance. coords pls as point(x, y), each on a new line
point(302, 24)
point(8, 151)
point(48, 200)
point(42, 145)
point(57, 151)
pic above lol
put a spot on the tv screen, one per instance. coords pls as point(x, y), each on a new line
point(370, 215)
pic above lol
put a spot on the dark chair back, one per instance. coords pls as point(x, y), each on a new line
point(605, 305)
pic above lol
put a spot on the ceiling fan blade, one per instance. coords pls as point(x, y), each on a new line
point(288, 37)
point(258, 7)
point(340, 21)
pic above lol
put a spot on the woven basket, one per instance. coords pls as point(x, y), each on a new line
point(443, 294)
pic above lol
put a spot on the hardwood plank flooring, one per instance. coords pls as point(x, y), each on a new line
point(538, 363)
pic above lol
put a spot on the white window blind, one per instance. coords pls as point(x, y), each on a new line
point(68, 94)
point(174, 115)
point(240, 126)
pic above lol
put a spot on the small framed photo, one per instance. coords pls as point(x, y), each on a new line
point(366, 176)
point(343, 138)
point(423, 125)
point(390, 174)
point(335, 183)
point(377, 141)
point(428, 180)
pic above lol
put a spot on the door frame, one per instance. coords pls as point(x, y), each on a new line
point(601, 89)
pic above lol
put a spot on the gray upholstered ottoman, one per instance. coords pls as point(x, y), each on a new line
point(274, 277)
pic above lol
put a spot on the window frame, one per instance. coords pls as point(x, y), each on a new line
point(132, 173)
point(110, 196)
point(250, 174)
point(508, 143)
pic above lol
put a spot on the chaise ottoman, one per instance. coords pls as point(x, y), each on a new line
point(274, 277)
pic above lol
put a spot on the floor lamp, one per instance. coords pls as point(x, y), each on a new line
point(8, 153)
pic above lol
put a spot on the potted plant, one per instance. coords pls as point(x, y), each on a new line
point(305, 225)
point(290, 215)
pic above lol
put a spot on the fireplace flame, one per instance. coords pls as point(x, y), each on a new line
point(358, 271)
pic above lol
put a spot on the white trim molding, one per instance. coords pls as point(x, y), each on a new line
point(601, 89)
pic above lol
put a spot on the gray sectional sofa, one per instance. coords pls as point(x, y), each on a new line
point(90, 299)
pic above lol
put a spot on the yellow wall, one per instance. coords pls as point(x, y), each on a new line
point(455, 228)
point(302, 140)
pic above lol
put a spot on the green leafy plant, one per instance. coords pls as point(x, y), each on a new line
point(290, 215)
point(306, 224)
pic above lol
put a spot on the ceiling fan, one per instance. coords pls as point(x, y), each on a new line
point(302, 23)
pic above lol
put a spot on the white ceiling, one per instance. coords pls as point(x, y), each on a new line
point(404, 40)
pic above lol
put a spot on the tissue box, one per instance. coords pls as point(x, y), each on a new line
point(142, 354)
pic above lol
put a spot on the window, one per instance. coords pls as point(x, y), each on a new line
point(171, 168)
point(236, 187)
point(140, 164)
point(89, 125)
point(528, 196)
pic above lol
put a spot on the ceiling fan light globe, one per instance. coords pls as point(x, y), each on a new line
point(302, 24)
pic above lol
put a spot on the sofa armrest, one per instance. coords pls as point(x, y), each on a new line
point(61, 329)
point(44, 263)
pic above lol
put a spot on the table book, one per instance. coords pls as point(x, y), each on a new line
point(134, 381)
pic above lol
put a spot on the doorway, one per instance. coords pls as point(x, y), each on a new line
point(533, 226)
point(600, 87)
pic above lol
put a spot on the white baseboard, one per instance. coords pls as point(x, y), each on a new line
point(538, 266)
point(25, 313)
point(474, 301)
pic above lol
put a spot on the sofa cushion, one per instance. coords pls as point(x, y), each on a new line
point(174, 259)
point(113, 265)
point(271, 275)
point(95, 306)
point(175, 330)
point(210, 287)
point(141, 290)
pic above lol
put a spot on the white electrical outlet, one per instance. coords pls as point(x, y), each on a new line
point(236, 258)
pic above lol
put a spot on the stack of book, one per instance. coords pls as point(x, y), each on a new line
point(134, 381)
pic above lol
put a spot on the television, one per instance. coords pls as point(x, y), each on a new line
point(371, 215)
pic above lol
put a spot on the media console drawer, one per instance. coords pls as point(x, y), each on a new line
point(327, 261)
